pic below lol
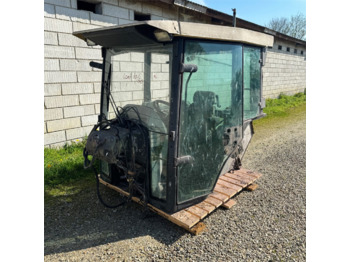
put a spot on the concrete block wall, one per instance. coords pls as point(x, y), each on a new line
point(71, 86)
point(284, 71)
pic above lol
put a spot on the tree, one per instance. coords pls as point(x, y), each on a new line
point(295, 26)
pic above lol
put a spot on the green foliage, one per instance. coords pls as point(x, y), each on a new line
point(64, 165)
point(281, 105)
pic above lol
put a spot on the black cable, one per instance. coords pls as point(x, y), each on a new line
point(99, 194)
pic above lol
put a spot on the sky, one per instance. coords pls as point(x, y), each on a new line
point(257, 11)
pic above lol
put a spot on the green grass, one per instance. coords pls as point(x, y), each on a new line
point(280, 112)
point(64, 165)
point(281, 106)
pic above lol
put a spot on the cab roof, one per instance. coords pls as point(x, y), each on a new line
point(143, 33)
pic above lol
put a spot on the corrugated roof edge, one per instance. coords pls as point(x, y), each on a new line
point(228, 18)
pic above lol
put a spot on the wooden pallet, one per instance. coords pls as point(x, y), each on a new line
point(226, 187)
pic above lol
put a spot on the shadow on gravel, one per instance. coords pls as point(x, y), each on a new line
point(80, 221)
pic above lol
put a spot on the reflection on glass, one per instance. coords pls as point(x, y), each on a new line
point(252, 81)
point(211, 114)
point(140, 84)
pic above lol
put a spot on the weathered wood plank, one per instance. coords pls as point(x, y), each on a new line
point(225, 190)
point(229, 204)
point(248, 172)
point(234, 181)
point(252, 187)
point(186, 218)
point(214, 201)
point(206, 206)
point(241, 178)
point(201, 213)
point(229, 185)
point(219, 196)
point(198, 228)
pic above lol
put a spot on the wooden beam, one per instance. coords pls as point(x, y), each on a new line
point(251, 187)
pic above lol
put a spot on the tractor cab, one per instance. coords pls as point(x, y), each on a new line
point(177, 104)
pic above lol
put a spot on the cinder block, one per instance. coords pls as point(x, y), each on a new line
point(151, 9)
point(159, 58)
point(75, 65)
point(58, 51)
point(52, 89)
point(51, 65)
point(156, 68)
point(169, 14)
point(89, 77)
point(81, 26)
point(101, 20)
point(125, 21)
point(122, 76)
point(77, 88)
point(74, 111)
point(115, 11)
point(160, 76)
point(122, 96)
point(131, 66)
point(133, 5)
point(61, 101)
point(131, 15)
point(50, 38)
point(58, 2)
point(160, 93)
point(63, 124)
point(155, 17)
point(137, 95)
point(59, 77)
point(89, 99)
point(80, 132)
point(89, 120)
point(53, 114)
point(55, 137)
point(74, 4)
point(155, 85)
point(70, 40)
point(72, 14)
point(97, 109)
point(165, 84)
point(130, 86)
point(55, 25)
point(121, 57)
point(97, 87)
point(137, 57)
point(88, 53)
point(49, 10)
point(165, 68)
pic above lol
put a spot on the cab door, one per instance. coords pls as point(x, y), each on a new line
point(211, 115)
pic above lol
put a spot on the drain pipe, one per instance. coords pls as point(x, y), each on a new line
point(234, 17)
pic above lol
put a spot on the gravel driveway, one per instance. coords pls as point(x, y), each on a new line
point(268, 224)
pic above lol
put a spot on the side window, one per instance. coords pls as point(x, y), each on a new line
point(251, 81)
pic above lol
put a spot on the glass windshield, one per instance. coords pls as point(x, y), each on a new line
point(211, 114)
point(140, 85)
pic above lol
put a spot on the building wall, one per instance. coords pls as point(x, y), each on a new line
point(71, 86)
point(284, 71)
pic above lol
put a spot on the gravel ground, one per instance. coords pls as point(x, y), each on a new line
point(268, 224)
